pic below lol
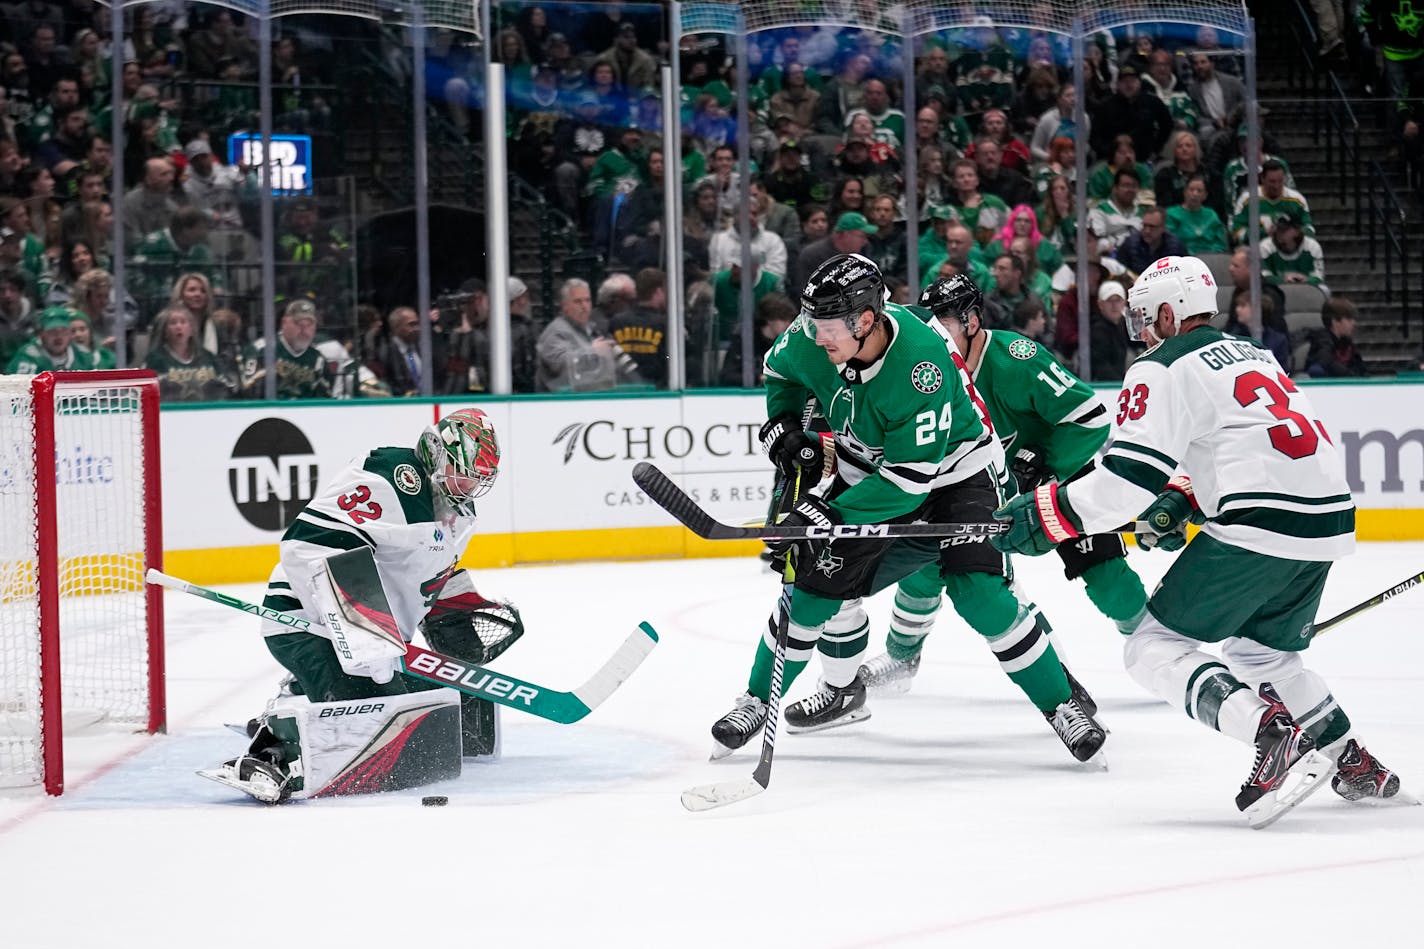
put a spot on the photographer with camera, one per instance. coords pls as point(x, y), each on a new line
point(571, 358)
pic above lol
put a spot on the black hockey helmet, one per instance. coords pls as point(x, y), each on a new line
point(954, 297)
point(844, 287)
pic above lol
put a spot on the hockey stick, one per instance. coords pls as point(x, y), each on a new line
point(667, 495)
point(704, 797)
point(469, 677)
point(1394, 591)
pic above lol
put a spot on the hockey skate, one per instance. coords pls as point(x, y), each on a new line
point(1361, 777)
point(885, 673)
point(1080, 732)
point(1287, 769)
point(256, 776)
point(828, 707)
point(738, 726)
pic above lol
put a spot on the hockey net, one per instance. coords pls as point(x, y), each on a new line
point(80, 633)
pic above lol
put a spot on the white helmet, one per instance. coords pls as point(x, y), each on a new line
point(1184, 282)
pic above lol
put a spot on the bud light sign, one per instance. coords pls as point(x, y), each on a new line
point(291, 171)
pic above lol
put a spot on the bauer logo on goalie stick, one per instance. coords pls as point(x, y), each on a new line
point(445, 669)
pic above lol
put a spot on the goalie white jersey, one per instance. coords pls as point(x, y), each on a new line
point(383, 501)
point(1264, 469)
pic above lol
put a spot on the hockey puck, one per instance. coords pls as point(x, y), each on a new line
point(435, 800)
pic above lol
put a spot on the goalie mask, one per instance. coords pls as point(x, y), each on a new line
point(954, 298)
point(837, 293)
point(461, 455)
point(1184, 282)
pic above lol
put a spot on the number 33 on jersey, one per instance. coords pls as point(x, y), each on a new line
point(1221, 409)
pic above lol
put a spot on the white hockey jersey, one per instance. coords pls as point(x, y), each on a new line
point(383, 501)
point(1221, 410)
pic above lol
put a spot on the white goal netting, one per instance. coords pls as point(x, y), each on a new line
point(93, 561)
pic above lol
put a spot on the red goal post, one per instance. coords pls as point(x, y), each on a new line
point(81, 634)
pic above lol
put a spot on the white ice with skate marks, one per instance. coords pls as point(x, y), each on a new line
point(954, 810)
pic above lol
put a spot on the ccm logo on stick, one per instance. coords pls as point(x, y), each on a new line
point(446, 670)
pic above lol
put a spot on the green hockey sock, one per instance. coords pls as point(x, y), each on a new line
point(1015, 635)
point(1117, 592)
point(917, 601)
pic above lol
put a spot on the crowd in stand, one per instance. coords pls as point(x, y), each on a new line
point(994, 168)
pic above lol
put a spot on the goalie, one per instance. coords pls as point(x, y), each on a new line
point(371, 560)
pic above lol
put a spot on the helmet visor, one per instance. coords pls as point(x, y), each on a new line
point(1136, 321)
point(834, 330)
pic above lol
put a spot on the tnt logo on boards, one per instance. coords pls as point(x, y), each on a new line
point(273, 473)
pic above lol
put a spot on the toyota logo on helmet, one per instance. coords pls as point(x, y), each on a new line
point(1184, 283)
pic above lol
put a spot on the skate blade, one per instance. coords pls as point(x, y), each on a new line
point(1099, 762)
point(719, 751)
point(890, 686)
point(859, 715)
point(706, 797)
point(1306, 776)
point(266, 793)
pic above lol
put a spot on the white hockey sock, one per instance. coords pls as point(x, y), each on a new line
point(800, 640)
point(1305, 693)
point(843, 643)
point(1170, 666)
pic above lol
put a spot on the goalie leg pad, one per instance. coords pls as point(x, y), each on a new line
point(385, 743)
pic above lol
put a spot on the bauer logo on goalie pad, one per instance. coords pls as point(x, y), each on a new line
point(366, 709)
point(444, 669)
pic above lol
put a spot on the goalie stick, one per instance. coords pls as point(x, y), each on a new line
point(667, 495)
point(469, 677)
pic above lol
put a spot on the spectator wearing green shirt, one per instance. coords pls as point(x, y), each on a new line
point(727, 291)
point(1289, 256)
point(180, 247)
point(51, 348)
point(1196, 225)
point(1276, 200)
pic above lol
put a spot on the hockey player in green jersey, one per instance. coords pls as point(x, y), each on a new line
point(1051, 424)
point(1270, 485)
point(910, 445)
point(377, 547)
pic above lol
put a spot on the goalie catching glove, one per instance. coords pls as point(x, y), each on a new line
point(1169, 515)
point(465, 624)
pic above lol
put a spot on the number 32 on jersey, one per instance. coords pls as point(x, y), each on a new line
point(1295, 437)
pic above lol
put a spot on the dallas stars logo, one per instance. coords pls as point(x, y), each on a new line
point(926, 377)
point(827, 563)
point(1023, 349)
point(1406, 19)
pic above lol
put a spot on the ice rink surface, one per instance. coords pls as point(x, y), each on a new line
point(953, 814)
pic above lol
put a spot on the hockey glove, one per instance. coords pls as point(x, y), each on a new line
point(809, 511)
point(1038, 522)
point(792, 449)
point(1169, 515)
point(1029, 469)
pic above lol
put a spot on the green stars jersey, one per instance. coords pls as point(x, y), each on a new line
point(193, 380)
point(1036, 403)
point(303, 375)
point(31, 359)
point(1219, 408)
point(383, 501)
point(904, 425)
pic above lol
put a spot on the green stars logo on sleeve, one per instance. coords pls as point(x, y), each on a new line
point(1023, 349)
point(1406, 19)
point(926, 377)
